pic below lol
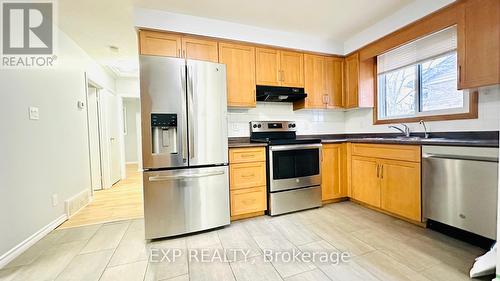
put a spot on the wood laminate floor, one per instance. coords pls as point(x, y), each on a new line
point(123, 201)
point(382, 248)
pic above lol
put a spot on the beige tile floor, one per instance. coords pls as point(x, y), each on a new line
point(382, 248)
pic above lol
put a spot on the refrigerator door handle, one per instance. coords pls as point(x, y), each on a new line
point(190, 93)
point(184, 121)
point(181, 177)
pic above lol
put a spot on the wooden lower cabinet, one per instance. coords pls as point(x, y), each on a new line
point(389, 184)
point(251, 200)
point(333, 172)
point(247, 181)
point(365, 182)
point(400, 188)
point(245, 175)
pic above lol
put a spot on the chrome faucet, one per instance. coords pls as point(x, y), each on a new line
point(406, 130)
point(426, 135)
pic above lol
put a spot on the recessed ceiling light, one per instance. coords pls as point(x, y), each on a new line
point(114, 49)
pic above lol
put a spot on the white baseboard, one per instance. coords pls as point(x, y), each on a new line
point(30, 241)
point(74, 204)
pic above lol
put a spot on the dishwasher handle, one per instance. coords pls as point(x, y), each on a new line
point(460, 157)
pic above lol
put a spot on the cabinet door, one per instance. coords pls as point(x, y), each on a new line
point(199, 49)
point(267, 66)
point(334, 81)
point(479, 56)
point(365, 182)
point(292, 69)
point(240, 69)
point(333, 171)
point(159, 44)
point(351, 81)
point(400, 188)
point(314, 72)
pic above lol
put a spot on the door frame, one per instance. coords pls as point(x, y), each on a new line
point(90, 83)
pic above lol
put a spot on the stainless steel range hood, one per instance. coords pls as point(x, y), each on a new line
point(279, 94)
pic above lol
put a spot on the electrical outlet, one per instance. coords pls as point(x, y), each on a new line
point(235, 127)
point(34, 113)
point(55, 200)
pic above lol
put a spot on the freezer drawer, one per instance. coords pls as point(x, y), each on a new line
point(187, 200)
point(460, 188)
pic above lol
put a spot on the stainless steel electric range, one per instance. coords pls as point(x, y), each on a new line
point(293, 166)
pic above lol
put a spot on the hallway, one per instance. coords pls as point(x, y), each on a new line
point(121, 202)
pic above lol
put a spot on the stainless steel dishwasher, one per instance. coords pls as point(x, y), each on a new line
point(459, 187)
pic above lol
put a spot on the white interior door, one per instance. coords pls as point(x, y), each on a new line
point(94, 138)
point(113, 113)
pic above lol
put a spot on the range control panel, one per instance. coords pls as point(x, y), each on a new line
point(272, 126)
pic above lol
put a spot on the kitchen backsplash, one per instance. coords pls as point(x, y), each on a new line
point(308, 121)
point(359, 120)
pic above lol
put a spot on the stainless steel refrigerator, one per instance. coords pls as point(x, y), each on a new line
point(184, 145)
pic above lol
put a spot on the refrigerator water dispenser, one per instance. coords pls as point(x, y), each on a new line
point(164, 133)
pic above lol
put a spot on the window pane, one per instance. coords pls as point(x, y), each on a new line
point(439, 84)
point(397, 90)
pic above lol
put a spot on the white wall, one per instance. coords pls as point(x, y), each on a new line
point(132, 106)
point(128, 87)
point(162, 20)
point(43, 157)
point(361, 120)
point(308, 121)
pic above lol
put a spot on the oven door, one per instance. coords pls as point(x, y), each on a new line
point(294, 166)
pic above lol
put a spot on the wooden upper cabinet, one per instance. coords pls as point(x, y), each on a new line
point(400, 188)
point(323, 82)
point(334, 81)
point(279, 68)
point(267, 67)
point(240, 69)
point(159, 44)
point(199, 49)
point(315, 84)
point(351, 81)
point(479, 44)
point(334, 169)
point(292, 69)
point(176, 45)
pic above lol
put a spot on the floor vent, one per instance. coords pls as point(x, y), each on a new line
point(75, 203)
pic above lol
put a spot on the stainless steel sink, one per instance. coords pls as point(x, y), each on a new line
point(409, 138)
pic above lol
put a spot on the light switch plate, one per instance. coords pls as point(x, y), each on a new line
point(34, 113)
point(55, 199)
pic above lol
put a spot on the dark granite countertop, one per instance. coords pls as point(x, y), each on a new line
point(244, 142)
point(477, 139)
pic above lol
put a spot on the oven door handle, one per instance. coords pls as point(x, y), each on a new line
point(294, 147)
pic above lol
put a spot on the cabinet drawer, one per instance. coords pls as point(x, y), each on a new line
point(245, 175)
point(245, 201)
point(245, 155)
point(388, 151)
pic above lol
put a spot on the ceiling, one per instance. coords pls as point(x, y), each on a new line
point(332, 19)
point(96, 25)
